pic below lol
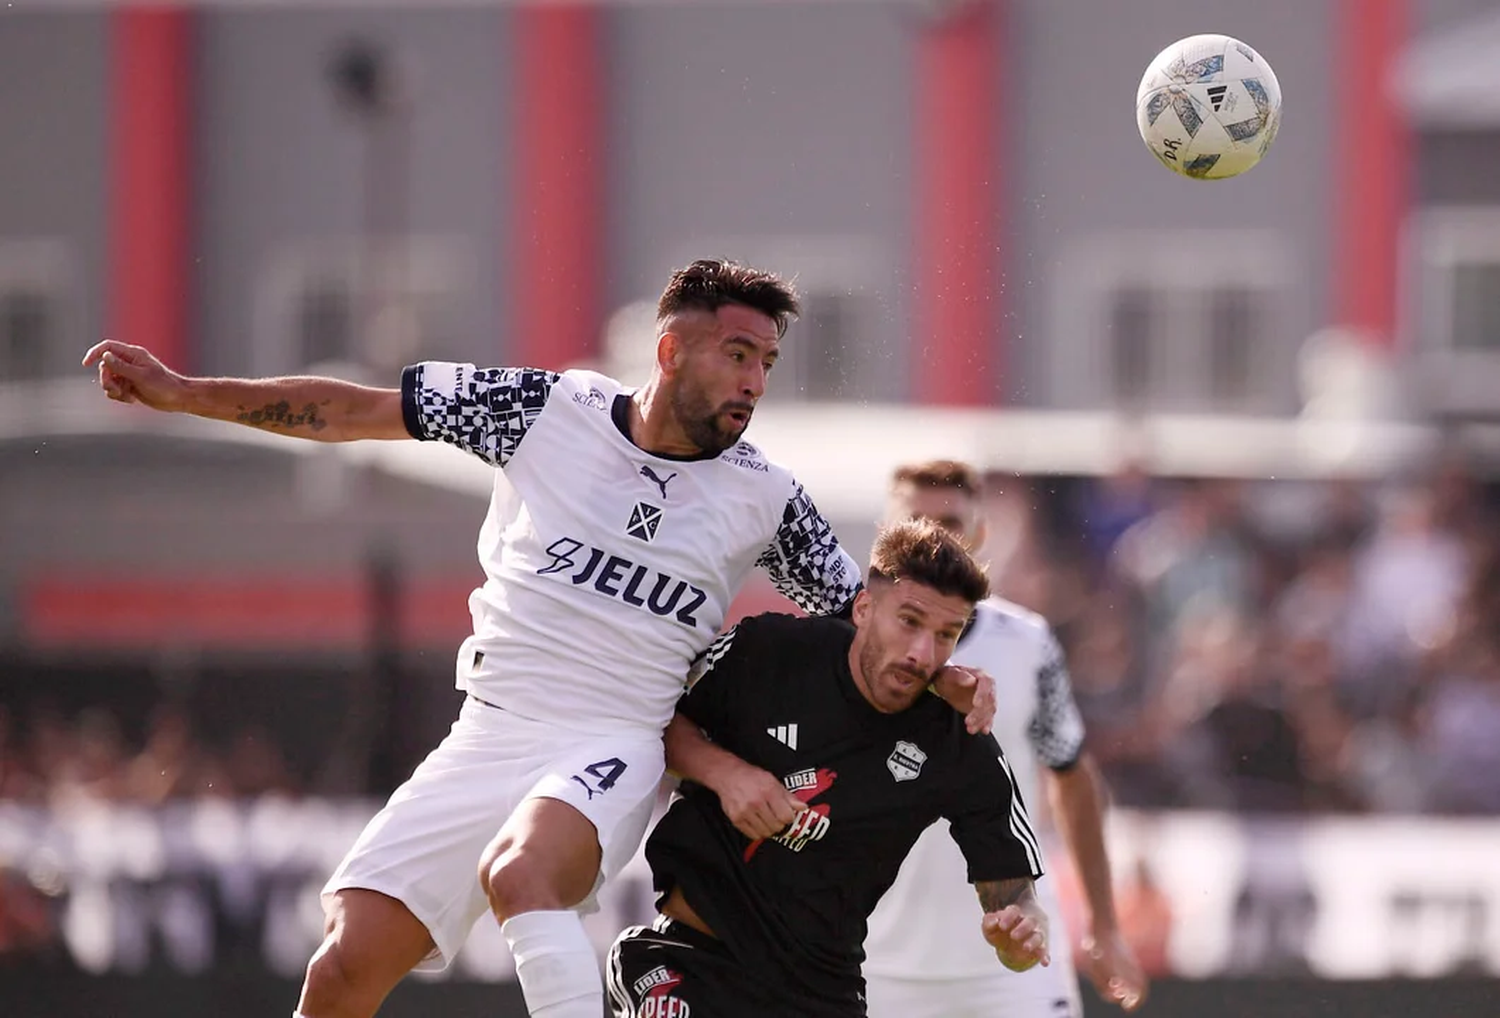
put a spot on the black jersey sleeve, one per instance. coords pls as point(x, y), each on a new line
point(988, 817)
point(805, 561)
point(484, 411)
point(716, 678)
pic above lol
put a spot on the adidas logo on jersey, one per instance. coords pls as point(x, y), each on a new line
point(618, 577)
point(784, 734)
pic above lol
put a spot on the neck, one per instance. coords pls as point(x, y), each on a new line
point(653, 427)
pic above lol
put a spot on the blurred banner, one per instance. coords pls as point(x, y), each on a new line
point(216, 887)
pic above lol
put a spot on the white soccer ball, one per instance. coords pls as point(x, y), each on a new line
point(1209, 107)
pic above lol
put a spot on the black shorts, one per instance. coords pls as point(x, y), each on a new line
point(669, 970)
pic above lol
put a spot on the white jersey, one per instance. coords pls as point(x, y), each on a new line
point(927, 925)
point(608, 569)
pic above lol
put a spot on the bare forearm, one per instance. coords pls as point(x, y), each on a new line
point(692, 756)
point(322, 409)
point(1014, 923)
point(995, 895)
point(1078, 802)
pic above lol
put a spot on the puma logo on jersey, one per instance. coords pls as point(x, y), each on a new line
point(656, 479)
point(618, 577)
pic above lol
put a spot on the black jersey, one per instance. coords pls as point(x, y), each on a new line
point(778, 692)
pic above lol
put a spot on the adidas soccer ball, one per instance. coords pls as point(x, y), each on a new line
point(1208, 107)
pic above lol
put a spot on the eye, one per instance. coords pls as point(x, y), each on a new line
point(769, 366)
point(738, 356)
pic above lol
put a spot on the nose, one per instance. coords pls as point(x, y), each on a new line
point(753, 385)
point(921, 652)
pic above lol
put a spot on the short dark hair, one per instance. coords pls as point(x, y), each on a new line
point(710, 283)
point(945, 474)
point(925, 553)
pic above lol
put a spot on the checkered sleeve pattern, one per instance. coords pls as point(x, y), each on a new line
point(705, 662)
point(1056, 729)
point(806, 562)
point(484, 411)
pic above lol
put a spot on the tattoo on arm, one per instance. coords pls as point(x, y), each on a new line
point(281, 417)
point(994, 895)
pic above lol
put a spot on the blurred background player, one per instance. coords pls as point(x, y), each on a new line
point(921, 959)
point(828, 726)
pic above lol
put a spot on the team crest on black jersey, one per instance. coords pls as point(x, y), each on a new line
point(905, 761)
point(644, 519)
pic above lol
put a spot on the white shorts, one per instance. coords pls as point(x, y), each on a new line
point(424, 847)
point(1037, 993)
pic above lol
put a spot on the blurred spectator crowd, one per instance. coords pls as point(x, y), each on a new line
point(53, 760)
point(1255, 647)
point(1283, 646)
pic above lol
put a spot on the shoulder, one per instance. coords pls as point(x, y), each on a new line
point(785, 630)
point(752, 461)
point(1000, 615)
point(588, 389)
point(793, 642)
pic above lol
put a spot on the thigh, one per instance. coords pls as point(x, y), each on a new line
point(654, 974)
point(424, 846)
point(612, 782)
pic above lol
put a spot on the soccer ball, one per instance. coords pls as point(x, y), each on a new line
point(1208, 107)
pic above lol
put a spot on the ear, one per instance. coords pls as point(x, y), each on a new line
point(669, 353)
point(864, 604)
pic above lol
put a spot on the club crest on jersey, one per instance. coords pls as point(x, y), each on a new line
point(655, 992)
point(644, 519)
point(905, 761)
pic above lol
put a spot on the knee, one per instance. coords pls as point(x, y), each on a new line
point(515, 880)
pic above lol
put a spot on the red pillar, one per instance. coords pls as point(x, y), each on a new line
point(1370, 167)
point(150, 193)
point(958, 181)
point(557, 201)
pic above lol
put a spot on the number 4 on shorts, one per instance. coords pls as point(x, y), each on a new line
point(605, 773)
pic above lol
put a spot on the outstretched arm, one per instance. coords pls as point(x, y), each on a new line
point(1014, 923)
point(322, 409)
point(1078, 801)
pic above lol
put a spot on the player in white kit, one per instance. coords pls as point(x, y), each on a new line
point(621, 524)
point(922, 959)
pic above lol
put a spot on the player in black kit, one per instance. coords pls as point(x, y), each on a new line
point(813, 757)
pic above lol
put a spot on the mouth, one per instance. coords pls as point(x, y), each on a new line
point(739, 416)
point(906, 680)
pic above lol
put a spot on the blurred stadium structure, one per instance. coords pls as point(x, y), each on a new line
point(1243, 437)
